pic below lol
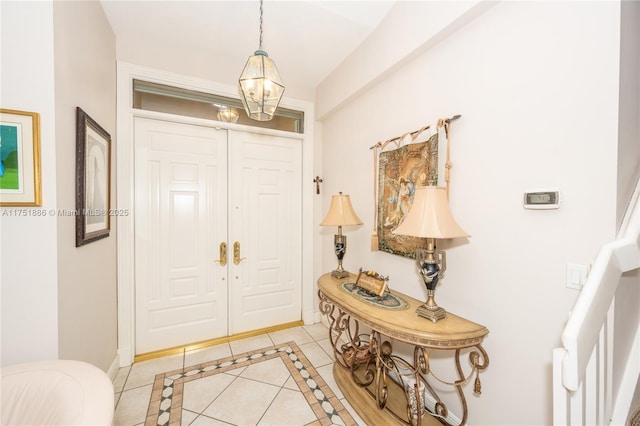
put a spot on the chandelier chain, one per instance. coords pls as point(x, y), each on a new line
point(260, 25)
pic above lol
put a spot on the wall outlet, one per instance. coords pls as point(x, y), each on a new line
point(576, 275)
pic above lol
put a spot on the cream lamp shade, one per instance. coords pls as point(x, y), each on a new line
point(430, 216)
point(341, 212)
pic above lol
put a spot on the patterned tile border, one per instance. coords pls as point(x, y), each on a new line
point(165, 406)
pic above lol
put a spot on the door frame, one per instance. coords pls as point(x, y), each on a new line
point(125, 172)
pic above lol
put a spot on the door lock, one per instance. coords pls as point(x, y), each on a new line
point(236, 253)
point(223, 254)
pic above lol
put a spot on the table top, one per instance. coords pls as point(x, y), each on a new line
point(452, 332)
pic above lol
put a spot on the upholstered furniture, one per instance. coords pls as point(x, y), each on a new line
point(60, 392)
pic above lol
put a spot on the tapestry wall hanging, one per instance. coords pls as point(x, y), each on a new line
point(398, 172)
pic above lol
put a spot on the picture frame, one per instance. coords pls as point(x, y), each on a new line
point(93, 180)
point(20, 173)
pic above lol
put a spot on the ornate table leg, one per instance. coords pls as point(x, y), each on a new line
point(364, 362)
point(479, 361)
point(355, 352)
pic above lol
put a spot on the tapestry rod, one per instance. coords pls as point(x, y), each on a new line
point(382, 144)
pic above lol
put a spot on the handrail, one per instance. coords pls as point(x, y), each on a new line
point(589, 313)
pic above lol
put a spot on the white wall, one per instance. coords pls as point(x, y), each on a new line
point(85, 76)
point(629, 139)
point(58, 301)
point(29, 273)
point(176, 55)
point(628, 294)
point(537, 86)
point(410, 28)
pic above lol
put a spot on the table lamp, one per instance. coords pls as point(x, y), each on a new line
point(430, 217)
point(340, 214)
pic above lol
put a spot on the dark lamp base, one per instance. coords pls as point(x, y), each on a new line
point(340, 274)
point(434, 315)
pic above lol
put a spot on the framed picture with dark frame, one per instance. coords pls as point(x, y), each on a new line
point(93, 179)
point(20, 177)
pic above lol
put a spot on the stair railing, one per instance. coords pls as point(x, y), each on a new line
point(582, 368)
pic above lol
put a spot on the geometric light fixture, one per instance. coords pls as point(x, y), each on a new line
point(260, 85)
point(227, 114)
point(430, 217)
point(340, 214)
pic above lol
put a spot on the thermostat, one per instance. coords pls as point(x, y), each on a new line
point(542, 199)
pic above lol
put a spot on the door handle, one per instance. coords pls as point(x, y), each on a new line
point(236, 253)
point(223, 254)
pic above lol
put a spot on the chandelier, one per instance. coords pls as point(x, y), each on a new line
point(260, 85)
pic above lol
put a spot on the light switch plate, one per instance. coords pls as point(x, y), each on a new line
point(576, 275)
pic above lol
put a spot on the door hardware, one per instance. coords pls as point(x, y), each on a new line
point(236, 253)
point(223, 254)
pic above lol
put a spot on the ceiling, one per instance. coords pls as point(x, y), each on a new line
point(307, 39)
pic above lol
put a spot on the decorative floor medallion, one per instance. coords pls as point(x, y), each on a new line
point(165, 407)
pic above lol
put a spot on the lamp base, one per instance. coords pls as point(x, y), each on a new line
point(340, 273)
point(432, 314)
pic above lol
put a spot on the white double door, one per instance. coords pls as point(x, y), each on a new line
point(198, 188)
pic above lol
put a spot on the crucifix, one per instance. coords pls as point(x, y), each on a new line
point(317, 181)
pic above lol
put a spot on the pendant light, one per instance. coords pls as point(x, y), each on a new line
point(228, 114)
point(260, 86)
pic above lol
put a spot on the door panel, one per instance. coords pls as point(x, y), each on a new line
point(180, 207)
point(190, 197)
point(265, 219)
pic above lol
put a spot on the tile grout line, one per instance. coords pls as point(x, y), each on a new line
point(198, 415)
point(289, 350)
point(316, 337)
point(167, 392)
point(272, 401)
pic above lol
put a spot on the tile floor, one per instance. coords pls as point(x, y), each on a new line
point(265, 384)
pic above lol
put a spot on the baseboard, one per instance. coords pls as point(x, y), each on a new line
point(125, 357)
point(113, 369)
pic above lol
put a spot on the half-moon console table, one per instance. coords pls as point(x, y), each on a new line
point(380, 385)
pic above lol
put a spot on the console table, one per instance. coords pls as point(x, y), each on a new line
point(381, 386)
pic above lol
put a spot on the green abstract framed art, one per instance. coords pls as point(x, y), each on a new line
point(20, 176)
